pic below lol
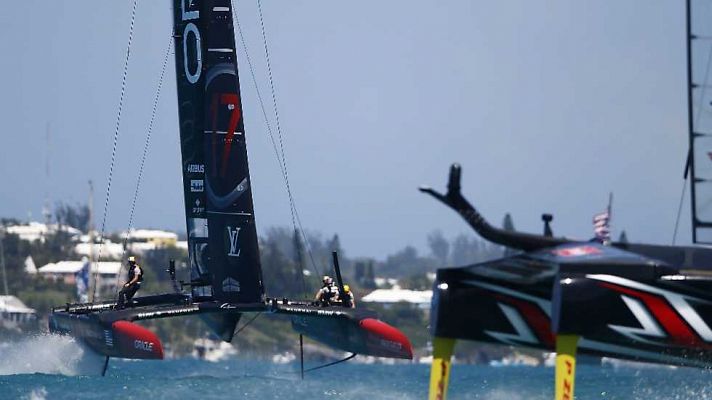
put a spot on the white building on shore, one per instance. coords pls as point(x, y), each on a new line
point(421, 298)
point(36, 231)
point(14, 313)
point(66, 271)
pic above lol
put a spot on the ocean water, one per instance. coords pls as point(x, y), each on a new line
point(51, 367)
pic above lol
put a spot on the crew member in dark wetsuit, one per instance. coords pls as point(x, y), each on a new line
point(327, 293)
point(132, 285)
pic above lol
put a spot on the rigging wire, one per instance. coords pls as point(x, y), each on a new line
point(296, 221)
point(295, 213)
point(679, 210)
point(247, 323)
point(329, 364)
point(146, 145)
point(116, 139)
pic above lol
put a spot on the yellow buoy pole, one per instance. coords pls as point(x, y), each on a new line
point(440, 369)
point(565, 366)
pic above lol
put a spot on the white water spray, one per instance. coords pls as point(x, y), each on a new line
point(48, 354)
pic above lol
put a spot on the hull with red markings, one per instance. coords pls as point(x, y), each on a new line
point(349, 330)
point(645, 312)
point(121, 339)
point(112, 333)
point(640, 302)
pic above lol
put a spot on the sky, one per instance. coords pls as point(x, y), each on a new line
point(548, 107)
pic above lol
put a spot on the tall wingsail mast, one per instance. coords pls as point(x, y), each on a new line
point(222, 238)
point(699, 79)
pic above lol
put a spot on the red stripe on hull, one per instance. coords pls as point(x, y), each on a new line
point(680, 332)
point(388, 338)
point(135, 341)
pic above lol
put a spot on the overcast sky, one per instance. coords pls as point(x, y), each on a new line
point(548, 106)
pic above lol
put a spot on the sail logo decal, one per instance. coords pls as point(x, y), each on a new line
point(223, 202)
point(230, 285)
point(528, 315)
point(198, 209)
point(233, 235)
point(196, 185)
point(196, 168)
point(190, 28)
point(232, 102)
point(662, 314)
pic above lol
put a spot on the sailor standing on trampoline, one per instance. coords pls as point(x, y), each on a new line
point(132, 285)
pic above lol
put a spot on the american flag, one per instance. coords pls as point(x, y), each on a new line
point(601, 227)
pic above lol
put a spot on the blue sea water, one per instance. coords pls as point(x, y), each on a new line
point(57, 370)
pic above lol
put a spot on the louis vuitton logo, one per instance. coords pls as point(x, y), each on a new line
point(233, 235)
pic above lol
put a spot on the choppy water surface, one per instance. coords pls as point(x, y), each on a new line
point(35, 369)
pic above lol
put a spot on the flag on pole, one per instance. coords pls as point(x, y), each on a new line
point(601, 227)
point(602, 223)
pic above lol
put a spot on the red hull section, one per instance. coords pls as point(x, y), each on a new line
point(386, 338)
point(121, 339)
point(349, 330)
point(111, 332)
point(135, 341)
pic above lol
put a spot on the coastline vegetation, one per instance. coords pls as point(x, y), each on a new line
point(290, 269)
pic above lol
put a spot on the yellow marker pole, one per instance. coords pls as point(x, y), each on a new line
point(440, 369)
point(565, 366)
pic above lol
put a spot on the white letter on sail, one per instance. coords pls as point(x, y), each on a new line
point(190, 14)
point(192, 77)
point(233, 235)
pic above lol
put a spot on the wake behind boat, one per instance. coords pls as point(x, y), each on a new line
point(226, 276)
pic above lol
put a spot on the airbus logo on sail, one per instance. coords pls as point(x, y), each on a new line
point(233, 235)
point(196, 168)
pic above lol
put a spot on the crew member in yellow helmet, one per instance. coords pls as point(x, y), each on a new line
point(348, 300)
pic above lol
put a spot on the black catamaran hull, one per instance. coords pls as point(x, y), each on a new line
point(226, 276)
point(112, 333)
point(120, 338)
point(663, 320)
point(631, 301)
point(359, 333)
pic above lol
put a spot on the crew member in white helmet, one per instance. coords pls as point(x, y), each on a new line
point(327, 293)
point(132, 285)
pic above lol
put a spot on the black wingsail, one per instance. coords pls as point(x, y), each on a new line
point(699, 65)
point(222, 238)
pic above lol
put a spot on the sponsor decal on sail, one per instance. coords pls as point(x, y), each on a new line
point(196, 185)
point(230, 285)
point(196, 168)
point(233, 235)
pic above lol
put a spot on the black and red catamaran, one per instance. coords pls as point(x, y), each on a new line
point(226, 278)
point(640, 302)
